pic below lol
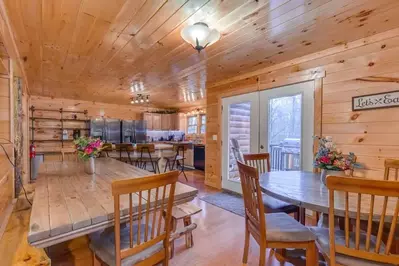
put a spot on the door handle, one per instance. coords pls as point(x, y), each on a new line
point(261, 146)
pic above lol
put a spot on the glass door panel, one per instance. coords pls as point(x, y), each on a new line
point(285, 129)
point(286, 126)
point(241, 123)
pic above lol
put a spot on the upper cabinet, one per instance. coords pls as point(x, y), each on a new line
point(148, 118)
point(156, 121)
point(161, 121)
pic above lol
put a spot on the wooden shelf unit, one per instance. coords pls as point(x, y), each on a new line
point(61, 119)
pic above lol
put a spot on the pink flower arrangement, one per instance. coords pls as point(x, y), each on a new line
point(88, 147)
point(330, 158)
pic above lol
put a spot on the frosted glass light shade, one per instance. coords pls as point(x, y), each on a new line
point(200, 35)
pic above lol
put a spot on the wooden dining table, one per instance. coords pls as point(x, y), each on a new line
point(304, 189)
point(69, 203)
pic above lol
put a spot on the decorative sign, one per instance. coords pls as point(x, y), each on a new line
point(375, 101)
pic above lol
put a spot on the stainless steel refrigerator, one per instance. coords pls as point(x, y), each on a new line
point(108, 130)
point(134, 131)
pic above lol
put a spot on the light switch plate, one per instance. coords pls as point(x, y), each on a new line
point(215, 137)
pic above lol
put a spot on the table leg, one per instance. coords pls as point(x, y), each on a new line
point(302, 215)
point(189, 235)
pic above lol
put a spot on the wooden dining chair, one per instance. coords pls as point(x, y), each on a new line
point(391, 164)
point(272, 230)
point(146, 154)
point(261, 161)
point(146, 240)
point(357, 247)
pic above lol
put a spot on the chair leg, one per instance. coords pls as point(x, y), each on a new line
point(246, 246)
point(166, 165)
point(311, 254)
point(262, 256)
point(172, 243)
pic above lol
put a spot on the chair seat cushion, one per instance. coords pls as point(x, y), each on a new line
point(273, 205)
point(323, 239)
point(103, 245)
point(282, 227)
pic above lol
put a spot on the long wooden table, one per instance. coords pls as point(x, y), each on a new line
point(305, 190)
point(69, 203)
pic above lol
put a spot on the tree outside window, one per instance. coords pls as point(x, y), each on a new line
point(192, 125)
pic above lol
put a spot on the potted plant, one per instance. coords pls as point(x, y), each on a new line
point(331, 161)
point(88, 149)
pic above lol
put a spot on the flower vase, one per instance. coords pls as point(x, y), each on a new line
point(324, 173)
point(89, 166)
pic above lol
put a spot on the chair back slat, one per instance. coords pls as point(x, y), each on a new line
point(127, 147)
point(358, 211)
point(381, 226)
point(150, 148)
point(364, 191)
point(180, 147)
point(260, 161)
point(393, 228)
point(391, 164)
point(254, 209)
point(146, 234)
point(370, 223)
point(347, 219)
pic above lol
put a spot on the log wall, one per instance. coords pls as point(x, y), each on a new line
point(365, 66)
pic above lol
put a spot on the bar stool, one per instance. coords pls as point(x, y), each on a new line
point(178, 159)
point(144, 152)
point(106, 148)
point(124, 150)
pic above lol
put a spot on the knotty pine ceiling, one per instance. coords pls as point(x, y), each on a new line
point(95, 49)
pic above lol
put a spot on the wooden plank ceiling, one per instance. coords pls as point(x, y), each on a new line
point(95, 49)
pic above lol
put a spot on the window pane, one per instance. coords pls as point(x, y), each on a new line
point(192, 129)
point(192, 120)
point(203, 119)
point(203, 129)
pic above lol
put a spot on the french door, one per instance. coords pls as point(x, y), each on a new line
point(240, 121)
point(278, 121)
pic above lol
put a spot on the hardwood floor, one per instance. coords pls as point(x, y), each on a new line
point(218, 239)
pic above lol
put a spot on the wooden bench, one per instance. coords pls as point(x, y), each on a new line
point(183, 212)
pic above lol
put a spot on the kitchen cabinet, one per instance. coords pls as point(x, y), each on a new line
point(156, 121)
point(148, 118)
point(166, 122)
point(161, 121)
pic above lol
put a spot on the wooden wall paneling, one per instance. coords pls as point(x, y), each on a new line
point(94, 50)
point(364, 66)
point(318, 110)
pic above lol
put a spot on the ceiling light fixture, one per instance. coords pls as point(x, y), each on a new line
point(200, 35)
point(140, 98)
